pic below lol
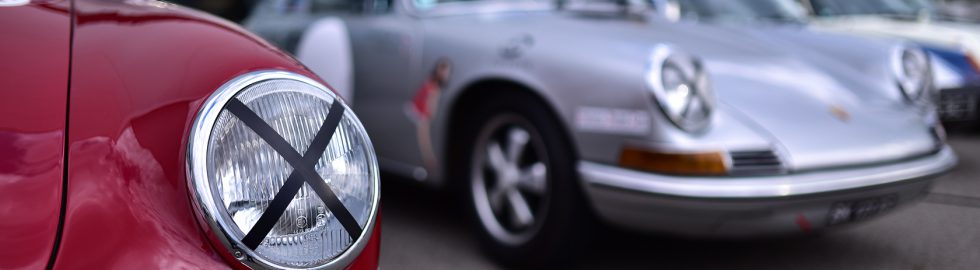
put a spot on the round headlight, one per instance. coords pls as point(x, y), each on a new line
point(283, 172)
point(681, 87)
point(913, 72)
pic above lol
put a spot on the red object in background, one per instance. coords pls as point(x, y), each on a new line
point(138, 75)
point(803, 223)
point(420, 103)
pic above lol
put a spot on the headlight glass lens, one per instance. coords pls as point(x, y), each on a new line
point(243, 172)
point(676, 89)
point(681, 87)
point(912, 70)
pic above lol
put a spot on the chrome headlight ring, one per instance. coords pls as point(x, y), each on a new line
point(681, 86)
point(283, 173)
point(913, 73)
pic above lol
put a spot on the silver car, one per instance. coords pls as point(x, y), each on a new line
point(955, 44)
point(548, 116)
point(950, 45)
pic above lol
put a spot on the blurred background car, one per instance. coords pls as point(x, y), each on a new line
point(144, 135)
point(955, 45)
point(955, 71)
point(545, 115)
point(960, 10)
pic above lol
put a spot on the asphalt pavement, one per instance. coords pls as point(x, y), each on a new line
point(424, 229)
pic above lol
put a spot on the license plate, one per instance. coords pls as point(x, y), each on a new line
point(855, 210)
point(956, 106)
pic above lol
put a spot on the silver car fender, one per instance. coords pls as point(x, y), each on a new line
point(326, 50)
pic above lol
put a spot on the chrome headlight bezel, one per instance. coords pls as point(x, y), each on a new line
point(692, 86)
point(215, 217)
point(912, 69)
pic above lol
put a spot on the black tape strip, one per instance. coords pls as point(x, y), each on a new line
point(272, 213)
point(303, 172)
point(294, 182)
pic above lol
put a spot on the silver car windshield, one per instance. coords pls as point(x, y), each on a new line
point(870, 7)
point(742, 10)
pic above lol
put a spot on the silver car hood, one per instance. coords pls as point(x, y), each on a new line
point(827, 100)
point(823, 100)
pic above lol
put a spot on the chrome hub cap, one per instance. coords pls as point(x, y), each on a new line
point(509, 179)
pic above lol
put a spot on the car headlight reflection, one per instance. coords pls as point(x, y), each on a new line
point(913, 73)
point(677, 90)
point(681, 86)
point(283, 172)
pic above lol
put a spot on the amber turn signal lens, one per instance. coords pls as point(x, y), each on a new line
point(973, 62)
point(712, 163)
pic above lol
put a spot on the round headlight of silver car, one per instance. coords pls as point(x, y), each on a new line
point(681, 87)
point(913, 72)
point(283, 172)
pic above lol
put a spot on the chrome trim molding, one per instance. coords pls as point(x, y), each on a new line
point(755, 162)
point(659, 57)
point(766, 186)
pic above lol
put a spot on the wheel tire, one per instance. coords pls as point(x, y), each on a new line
point(564, 223)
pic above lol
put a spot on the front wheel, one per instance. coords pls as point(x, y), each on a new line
point(522, 185)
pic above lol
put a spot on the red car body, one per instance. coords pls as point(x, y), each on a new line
point(96, 101)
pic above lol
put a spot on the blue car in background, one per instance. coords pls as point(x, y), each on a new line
point(960, 91)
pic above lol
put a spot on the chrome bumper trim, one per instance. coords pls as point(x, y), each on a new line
point(767, 186)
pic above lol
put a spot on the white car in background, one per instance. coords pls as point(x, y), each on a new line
point(910, 19)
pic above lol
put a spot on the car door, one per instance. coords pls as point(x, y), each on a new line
point(387, 47)
point(368, 51)
point(34, 57)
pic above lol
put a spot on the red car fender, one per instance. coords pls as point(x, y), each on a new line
point(33, 94)
point(368, 259)
point(140, 72)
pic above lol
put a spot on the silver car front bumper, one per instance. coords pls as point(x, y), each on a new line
point(737, 206)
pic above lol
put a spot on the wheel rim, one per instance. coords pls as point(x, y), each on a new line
point(509, 179)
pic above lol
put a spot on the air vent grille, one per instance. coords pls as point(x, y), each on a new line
point(756, 162)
